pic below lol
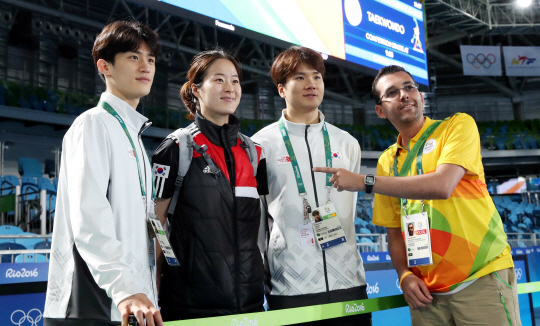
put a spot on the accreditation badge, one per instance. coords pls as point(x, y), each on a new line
point(327, 227)
point(166, 248)
point(307, 238)
point(417, 240)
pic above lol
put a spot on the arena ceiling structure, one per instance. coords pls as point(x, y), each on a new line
point(450, 23)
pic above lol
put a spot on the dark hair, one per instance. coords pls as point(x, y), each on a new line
point(315, 212)
point(388, 70)
point(288, 61)
point(124, 36)
point(197, 71)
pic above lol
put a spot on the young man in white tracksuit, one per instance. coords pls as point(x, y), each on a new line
point(304, 266)
point(102, 261)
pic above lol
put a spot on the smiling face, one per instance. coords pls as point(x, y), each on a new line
point(131, 75)
point(403, 110)
point(220, 92)
point(304, 89)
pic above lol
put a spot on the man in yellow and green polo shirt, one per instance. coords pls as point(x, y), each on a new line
point(471, 279)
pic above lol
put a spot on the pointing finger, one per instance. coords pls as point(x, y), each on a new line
point(325, 170)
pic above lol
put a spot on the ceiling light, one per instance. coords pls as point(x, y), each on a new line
point(523, 3)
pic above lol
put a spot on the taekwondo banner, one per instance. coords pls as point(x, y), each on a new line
point(481, 60)
point(522, 60)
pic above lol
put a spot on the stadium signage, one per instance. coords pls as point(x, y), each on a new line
point(23, 272)
point(373, 258)
point(245, 322)
point(224, 25)
point(354, 308)
point(371, 289)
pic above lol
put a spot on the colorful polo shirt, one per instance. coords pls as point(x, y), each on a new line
point(467, 234)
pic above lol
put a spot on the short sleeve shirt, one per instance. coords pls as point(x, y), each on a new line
point(468, 239)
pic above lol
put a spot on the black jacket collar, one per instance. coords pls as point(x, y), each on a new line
point(218, 135)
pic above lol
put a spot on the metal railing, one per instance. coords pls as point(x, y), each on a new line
point(23, 212)
point(24, 252)
point(379, 242)
point(522, 240)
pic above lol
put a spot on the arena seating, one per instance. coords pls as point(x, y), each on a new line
point(10, 246)
point(31, 258)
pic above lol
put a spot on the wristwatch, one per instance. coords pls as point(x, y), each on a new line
point(369, 181)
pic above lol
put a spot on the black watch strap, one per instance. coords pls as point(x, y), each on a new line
point(369, 181)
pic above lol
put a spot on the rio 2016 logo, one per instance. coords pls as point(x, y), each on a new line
point(354, 308)
point(19, 317)
point(245, 322)
point(11, 273)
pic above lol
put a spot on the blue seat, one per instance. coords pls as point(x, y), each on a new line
point(53, 98)
point(10, 229)
point(30, 167)
point(24, 103)
point(70, 109)
point(29, 188)
point(35, 103)
point(48, 107)
point(8, 258)
point(43, 245)
point(55, 183)
point(365, 231)
point(28, 243)
point(31, 258)
point(9, 183)
point(3, 91)
point(532, 143)
point(41, 180)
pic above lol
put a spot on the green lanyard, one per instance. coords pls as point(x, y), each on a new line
point(414, 154)
point(296, 168)
point(110, 109)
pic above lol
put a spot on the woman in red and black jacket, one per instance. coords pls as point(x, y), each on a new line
point(214, 227)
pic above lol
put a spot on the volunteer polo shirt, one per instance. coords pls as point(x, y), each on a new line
point(467, 234)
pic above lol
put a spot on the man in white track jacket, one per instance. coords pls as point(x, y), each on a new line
point(102, 260)
point(302, 268)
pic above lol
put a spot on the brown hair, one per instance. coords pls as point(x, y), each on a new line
point(288, 61)
point(124, 36)
point(388, 70)
point(197, 71)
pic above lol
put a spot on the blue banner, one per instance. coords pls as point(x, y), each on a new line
point(383, 283)
point(375, 257)
point(23, 273)
point(22, 309)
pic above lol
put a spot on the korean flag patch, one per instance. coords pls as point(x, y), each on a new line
point(336, 155)
point(161, 171)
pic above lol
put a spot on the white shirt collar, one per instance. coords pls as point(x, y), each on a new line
point(133, 119)
point(300, 128)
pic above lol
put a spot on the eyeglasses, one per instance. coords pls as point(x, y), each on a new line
point(394, 92)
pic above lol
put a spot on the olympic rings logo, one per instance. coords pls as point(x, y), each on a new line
point(397, 285)
point(32, 318)
point(519, 273)
point(481, 60)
